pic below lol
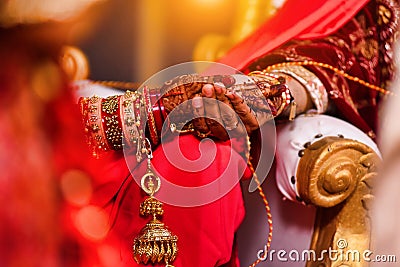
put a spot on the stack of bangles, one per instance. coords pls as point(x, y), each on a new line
point(117, 121)
point(125, 120)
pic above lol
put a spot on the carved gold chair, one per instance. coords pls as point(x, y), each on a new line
point(336, 176)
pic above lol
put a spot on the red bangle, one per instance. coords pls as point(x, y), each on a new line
point(91, 112)
point(157, 112)
point(150, 116)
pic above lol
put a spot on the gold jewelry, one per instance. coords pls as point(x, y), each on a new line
point(155, 243)
point(269, 82)
point(292, 111)
point(150, 116)
point(265, 201)
point(128, 118)
point(110, 115)
point(134, 86)
point(203, 135)
point(310, 82)
point(334, 69)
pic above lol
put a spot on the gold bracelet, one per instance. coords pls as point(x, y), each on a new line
point(113, 130)
point(128, 118)
point(310, 82)
point(150, 115)
point(266, 81)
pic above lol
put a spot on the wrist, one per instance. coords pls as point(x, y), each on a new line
point(274, 89)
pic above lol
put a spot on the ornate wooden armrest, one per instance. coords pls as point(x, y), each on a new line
point(336, 176)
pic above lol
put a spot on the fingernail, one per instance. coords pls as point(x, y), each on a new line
point(208, 90)
point(197, 102)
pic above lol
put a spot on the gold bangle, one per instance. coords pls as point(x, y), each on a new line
point(310, 82)
point(265, 80)
point(113, 131)
point(128, 119)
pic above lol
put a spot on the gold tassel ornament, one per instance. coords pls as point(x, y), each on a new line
point(155, 243)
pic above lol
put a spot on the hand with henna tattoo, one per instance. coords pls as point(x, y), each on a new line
point(222, 109)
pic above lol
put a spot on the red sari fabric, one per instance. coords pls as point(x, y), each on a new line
point(295, 20)
point(342, 34)
point(206, 233)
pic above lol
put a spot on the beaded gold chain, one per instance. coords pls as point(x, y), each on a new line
point(334, 69)
point(267, 209)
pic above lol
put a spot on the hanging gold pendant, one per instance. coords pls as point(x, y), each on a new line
point(155, 243)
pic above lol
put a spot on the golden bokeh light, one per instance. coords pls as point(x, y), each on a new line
point(92, 222)
point(76, 187)
point(46, 81)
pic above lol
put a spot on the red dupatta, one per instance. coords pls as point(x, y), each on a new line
point(305, 19)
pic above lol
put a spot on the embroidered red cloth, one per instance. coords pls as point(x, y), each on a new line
point(295, 20)
point(342, 34)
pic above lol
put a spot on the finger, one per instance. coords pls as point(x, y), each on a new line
point(193, 89)
point(228, 115)
point(186, 91)
point(231, 120)
point(212, 112)
point(244, 112)
point(208, 91)
point(199, 122)
point(213, 118)
point(220, 93)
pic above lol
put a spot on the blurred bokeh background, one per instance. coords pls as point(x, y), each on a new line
point(132, 40)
